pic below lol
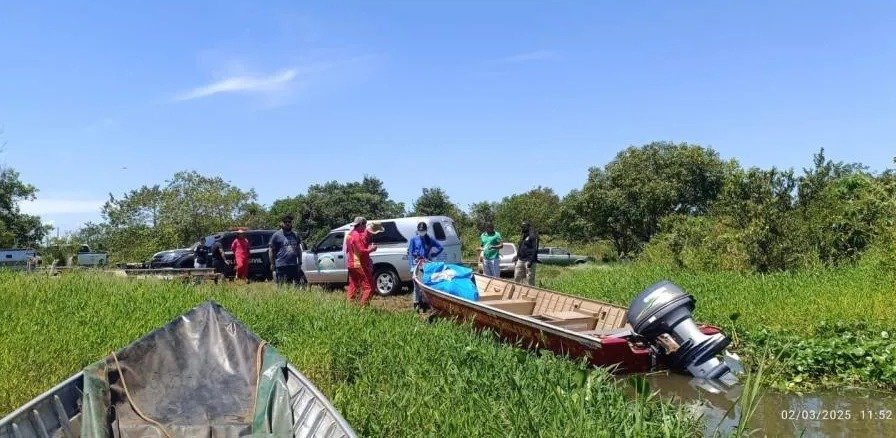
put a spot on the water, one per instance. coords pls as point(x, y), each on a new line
point(843, 413)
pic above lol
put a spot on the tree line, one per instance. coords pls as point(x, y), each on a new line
point(675, 203)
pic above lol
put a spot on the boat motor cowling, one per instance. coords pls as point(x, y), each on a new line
point(662, 315)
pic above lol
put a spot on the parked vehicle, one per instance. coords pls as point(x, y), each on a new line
point(560, 256)
point(259, 259)
point(87, 257)
point(508, 252)
point(324, 263)
point(173, 258)
point(17, 258)
point(202, 374)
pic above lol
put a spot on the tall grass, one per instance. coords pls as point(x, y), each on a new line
point(388, 373)
point(828, 327)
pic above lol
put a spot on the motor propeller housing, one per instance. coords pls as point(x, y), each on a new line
point(662, 315)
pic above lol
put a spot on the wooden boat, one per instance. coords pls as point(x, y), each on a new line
point(203, 374)
point(544, 319)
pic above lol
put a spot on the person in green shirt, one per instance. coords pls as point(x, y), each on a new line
point(491, 254)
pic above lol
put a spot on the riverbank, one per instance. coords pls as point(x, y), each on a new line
point(386, 372)
point(824, 328)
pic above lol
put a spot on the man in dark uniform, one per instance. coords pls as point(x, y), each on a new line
point(219, 261)
point(527, 255)
point(200, 254)
point(285, 253)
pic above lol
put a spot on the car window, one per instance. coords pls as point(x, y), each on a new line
point(226, 241)
point(259, 240)
point(390, 234)
point(561, 252)
point(438, 231)
point(544, 251)
point(333, 242)
point(508, 249)
point(449, 228)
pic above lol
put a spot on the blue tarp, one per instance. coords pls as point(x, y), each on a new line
point(450, 278)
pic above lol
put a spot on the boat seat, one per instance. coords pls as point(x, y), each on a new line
point(571, 320)
point(609, 332)
point(520, 307)
point(490, 297)
point(568, 314)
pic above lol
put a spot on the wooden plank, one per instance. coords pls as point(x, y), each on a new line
point(520, 307)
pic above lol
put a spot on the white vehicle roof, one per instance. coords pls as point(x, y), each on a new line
point(414, 220)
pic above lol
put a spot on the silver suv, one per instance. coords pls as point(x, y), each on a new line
point(324, 263)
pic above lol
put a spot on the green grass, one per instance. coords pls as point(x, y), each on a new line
point(828, 327)
point(387, 372)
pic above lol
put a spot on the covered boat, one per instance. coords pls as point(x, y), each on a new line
point(655, 332)
point(203, 374)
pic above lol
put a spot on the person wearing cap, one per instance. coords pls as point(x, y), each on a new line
point(526, 256)
point(285, 253)
point(240, 248)
point(200, 254)
point(491, 244)
point(422, 248)
point(358, 247)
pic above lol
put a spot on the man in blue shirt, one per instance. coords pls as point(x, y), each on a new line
point(421, 249)
point(285, 253)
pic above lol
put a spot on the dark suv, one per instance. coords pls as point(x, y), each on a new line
point(173, 258)
point(259, 261)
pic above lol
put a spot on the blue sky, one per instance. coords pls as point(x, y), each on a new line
point(483, 99)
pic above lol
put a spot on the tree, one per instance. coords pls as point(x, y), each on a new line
point(625, 200)
point(758, 207)
point(482, 213)
point(17, 228)
point(157, 217)
point(539, 206)
point(435, 202)
point(255, 216)
point(333, 204)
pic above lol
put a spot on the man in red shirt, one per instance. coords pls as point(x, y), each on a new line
point(358, 261)
point(240, 248)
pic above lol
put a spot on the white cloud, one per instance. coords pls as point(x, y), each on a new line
point(246, 84)
point(61, 206)
point(537, 55)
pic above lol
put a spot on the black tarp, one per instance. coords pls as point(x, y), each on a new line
point(196, 376)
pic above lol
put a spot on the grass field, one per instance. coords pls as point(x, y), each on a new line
point(829, 327)
point(389, 373)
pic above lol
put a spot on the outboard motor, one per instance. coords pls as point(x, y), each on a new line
point(662, 315)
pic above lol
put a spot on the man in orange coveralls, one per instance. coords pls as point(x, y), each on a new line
point(358, 262)
point(240, 248)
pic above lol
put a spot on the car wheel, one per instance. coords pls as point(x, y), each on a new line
point(385, 281)
point(580, 262)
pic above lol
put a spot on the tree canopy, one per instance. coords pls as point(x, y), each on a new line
point(16, 228)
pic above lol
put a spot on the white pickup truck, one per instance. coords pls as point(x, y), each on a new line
point(17, 258)
point(86, 257)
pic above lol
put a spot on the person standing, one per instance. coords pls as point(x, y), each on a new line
point(357, 259)
point(200, 254)
point(285, 253)
point(491, 244)
point(420, 249)
point(219, 260)
point(240, 248)
point(370, 229)
point(527, 255)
